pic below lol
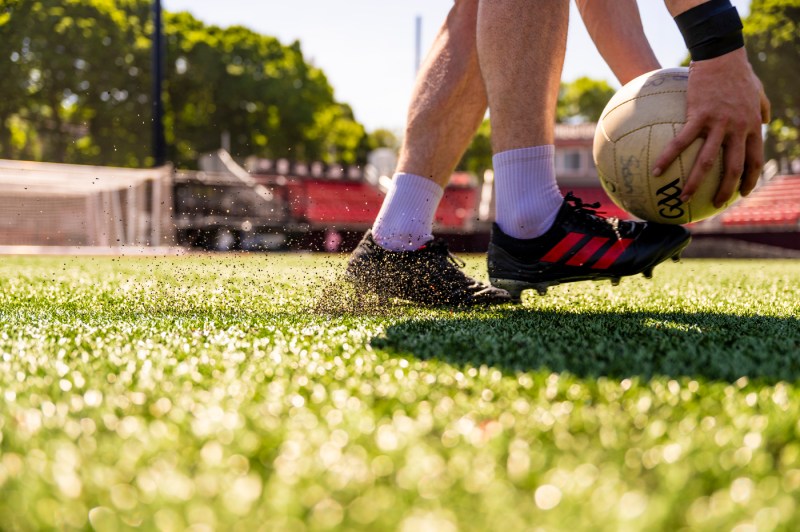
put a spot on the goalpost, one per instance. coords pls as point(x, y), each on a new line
point(51, 204)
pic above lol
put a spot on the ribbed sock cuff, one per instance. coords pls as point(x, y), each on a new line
point(527, 195)
point(405, 221)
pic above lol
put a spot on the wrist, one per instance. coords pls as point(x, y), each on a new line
point(727, 60)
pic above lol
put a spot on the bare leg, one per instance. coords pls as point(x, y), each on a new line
point(448, 104)
point(521, 46)
point(449, 101)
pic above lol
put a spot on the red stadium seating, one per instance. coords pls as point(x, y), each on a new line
point(320, 201)
point(329, 202)
point(457, 207)
point(774, 204)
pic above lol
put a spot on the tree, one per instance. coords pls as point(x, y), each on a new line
point(583, 100)
point(265, 95)
point(76, 88)
point(69, 81)
point(772, 33)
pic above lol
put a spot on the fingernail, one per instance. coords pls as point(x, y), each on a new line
point(684, 198)
point(656, 172)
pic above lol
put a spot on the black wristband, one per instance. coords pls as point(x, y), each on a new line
point(711, 29)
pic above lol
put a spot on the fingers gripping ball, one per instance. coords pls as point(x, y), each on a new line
point(635, 127)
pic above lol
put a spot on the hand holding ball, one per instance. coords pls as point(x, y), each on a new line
point(635, 127)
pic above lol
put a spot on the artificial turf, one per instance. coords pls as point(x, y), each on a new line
point(240, 393)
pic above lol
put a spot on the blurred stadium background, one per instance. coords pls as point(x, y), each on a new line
point(263, 157)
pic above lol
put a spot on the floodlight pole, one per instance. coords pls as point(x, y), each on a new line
point(159, 142)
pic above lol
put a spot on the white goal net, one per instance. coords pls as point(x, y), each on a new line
point(53, 204)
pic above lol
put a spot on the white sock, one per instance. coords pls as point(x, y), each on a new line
point(527, 197)
point(405, 221)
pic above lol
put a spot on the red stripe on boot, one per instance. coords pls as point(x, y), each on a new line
point(612, 254)
point(560, 249)
point(587, 251)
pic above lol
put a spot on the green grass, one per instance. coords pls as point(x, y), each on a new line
point(206, 392)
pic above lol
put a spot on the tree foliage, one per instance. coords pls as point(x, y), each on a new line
point(75, 86)
point(478, 157)
point(583, 100)
point(382, 138)
point(70, 82)
point(772, 33)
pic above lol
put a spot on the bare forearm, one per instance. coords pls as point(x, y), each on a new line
point(616, 29)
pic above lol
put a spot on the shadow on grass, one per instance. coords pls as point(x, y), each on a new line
point(618, 344)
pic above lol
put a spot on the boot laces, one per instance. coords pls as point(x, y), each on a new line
point(591, 214)
point(449, 265)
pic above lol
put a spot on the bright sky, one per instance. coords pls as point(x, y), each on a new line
point(367, 47)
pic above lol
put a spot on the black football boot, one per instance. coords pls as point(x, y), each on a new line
point(430, 275)
point(581, 245)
